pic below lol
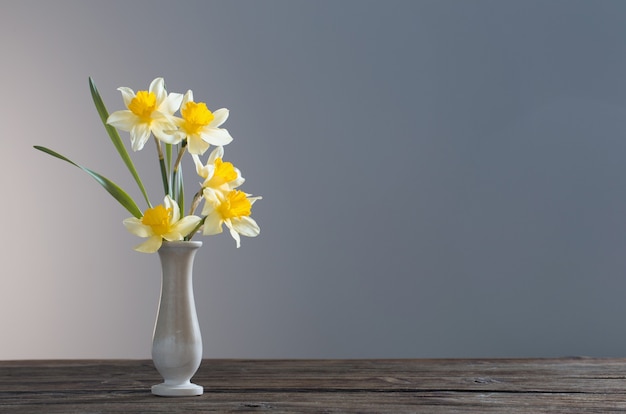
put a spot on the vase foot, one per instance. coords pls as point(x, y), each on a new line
point(185, 390)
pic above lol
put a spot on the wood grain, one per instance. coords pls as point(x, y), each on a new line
point(569, 385)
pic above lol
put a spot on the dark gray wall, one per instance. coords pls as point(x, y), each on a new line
point(440, 178)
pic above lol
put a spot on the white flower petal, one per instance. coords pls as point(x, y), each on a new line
point(157, 87)
point(168, 203)
point(188, 97)
point(127, 95)
point(151, 245)
point(186, 225)
point(212, 201)
point(173, 236)
point(171, 136)
point(136, 227)
point(201, 169)
point(235, 236)
point(216, 136)
point(220, 116)
point(171, 104)
point(233, 233)
point(218, 152)
point(164, 129)
point(195, 145)
point(212, 224)
point(245, 226)
point(139, 135)
point(237, 181)
point(124, 120)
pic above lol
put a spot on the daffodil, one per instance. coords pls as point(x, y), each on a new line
point(217, 174)
point(201, 127)
point(232, 209)
point(150, 111)
point(161, 222)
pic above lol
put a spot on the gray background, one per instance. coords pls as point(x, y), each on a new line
point(440, 178)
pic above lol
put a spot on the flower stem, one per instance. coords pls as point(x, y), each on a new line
point(177, 178)
point(196, 201)
point(162, 165)
point(180, 156)
point(195, 230)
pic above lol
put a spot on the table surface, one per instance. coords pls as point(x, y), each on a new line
point(565, 385)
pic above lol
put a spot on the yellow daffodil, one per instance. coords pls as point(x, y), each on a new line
point(150, 111)
point(161, 222)
point(232, 209)
point(217, 174)
point(200, 126)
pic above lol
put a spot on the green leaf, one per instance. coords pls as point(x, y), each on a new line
point(120, 195)
point(166, 184)
point(168, 156)
point(115, 138)
point(168, 175)
point(179, 192)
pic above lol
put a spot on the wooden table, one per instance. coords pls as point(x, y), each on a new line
point(570, 385)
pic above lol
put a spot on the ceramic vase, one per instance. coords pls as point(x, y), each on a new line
point(177, 343)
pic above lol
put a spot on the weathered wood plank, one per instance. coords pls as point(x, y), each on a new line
point(573, 385)
point(277, 402)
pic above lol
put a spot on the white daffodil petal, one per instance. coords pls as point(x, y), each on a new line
point(212, 225)
point(245, 226)
point(136, 227)
point(124, 120)
point(216, 136)
point(237, 181)
point(169, 203)
point(172, 103)
point(213, 197)
point(235, 236)
point(170, 137)
point(173, 236)
point(157, 87)
point(218, 152)
point(196, 145)
point(139, 135)
point(187, 224)
point(220, 116)
point(233, 233)
point(127, 95)
point(159, 129)
point(201, 170)
point(151, 245)
point(212, 201)
point(188, 97)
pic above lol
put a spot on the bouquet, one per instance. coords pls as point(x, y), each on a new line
point(153, 113)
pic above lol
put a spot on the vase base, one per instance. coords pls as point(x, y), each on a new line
point(185, 390)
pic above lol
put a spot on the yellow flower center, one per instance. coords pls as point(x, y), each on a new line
point(235, 205)
point(158, 218)
point(143, 104)
point(224, 172)
point(196, 116)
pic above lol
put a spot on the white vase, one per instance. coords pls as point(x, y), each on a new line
point(177, 343)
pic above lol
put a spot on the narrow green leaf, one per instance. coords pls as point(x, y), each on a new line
point(120, 195)
point(115, 138)
point(168, 156)
point(168, 162)
point(178, 188)
point(166, 186)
